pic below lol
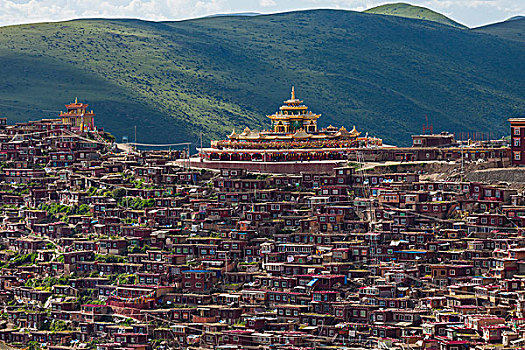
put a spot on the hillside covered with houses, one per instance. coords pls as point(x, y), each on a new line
point(111, 250)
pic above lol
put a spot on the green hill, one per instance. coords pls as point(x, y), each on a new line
point(175, 80)
point(416, 12)
point(511, 29)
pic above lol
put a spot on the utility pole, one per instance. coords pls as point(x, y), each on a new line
point(189, 161)
point(135, 138)
point(201, 152)
point(462, 165)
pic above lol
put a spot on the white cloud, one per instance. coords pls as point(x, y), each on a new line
point(27, 11)
point(267, 3)
point(469, 12)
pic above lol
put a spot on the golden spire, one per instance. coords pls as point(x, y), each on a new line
point(76, 100)
point(293, 93)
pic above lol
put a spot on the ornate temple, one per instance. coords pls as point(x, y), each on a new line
point(294, 136)
point(78, 117)
point(293, 116)
point(294, 121)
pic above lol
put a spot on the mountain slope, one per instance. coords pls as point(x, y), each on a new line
point(175, 80)
point(239, 14)
point(416, 12)
point(511, 29)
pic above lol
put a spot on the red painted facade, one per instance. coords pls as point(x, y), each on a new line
point(517, 142)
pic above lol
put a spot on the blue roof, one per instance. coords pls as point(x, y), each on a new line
point(410, 251)
point(196, 271)
point(311, 283)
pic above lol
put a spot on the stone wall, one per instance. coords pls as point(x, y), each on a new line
point(510, 175)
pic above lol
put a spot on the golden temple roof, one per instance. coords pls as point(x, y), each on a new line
point(233, 135)
point(246, 132)
point(354, 132)
point(292, 99)
point(293, 109)
point(301, 134)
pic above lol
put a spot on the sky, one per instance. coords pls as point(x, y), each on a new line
point(472, 13)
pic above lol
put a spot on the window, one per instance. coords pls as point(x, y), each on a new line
point(516, 131)
point(517, 155)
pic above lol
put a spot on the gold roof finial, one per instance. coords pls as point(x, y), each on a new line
point(76, 100)
point(293, 93)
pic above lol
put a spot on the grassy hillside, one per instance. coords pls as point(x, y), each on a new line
point(511, 29)
point(411, 11)
point(177, 79)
